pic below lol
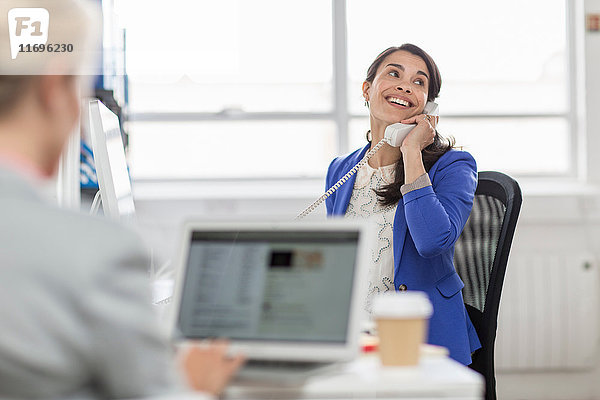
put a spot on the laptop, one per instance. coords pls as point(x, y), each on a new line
point(288, 295)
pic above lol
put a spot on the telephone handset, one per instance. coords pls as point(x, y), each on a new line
point(394, 136)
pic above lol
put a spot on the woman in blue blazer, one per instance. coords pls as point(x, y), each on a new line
point(419, 194)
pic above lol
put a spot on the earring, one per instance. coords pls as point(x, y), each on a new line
point(366, 102)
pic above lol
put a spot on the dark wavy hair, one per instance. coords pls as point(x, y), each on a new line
point(390, 194)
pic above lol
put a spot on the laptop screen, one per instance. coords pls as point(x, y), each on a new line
point(269, 285)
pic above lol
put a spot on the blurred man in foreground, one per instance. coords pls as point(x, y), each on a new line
point(75, 305)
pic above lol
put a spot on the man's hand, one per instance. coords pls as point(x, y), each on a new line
point(209, 368)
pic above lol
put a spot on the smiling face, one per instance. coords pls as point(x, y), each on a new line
point(399, 89)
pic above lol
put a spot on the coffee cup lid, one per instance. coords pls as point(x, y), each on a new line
point(409, 304)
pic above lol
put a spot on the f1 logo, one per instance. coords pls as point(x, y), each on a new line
point(27, 26)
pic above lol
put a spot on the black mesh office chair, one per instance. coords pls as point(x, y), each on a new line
point(480, 257)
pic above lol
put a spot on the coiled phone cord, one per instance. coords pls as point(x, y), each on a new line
point(342, 180)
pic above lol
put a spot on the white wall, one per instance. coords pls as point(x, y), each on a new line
point(553, 224)
point(592, 94)
point(570, 221)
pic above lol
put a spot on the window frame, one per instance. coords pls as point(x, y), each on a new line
point(341, 116)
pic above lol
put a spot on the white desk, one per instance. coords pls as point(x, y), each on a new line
point(435, 378)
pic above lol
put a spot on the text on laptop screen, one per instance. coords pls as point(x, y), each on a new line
point(287, 286)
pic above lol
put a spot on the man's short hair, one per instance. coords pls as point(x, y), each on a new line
point(73, 38)
point(12, 88)
point(71, 22)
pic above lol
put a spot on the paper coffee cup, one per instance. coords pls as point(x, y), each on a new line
point(401, 319)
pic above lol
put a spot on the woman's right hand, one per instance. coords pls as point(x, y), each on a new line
point(421, 135)
point(209, 368)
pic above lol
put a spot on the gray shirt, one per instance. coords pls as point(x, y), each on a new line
point(75, 305)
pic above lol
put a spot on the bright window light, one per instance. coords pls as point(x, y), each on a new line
point(256, 78)
point(515, 146)
point(208, 150)
point(210, 56)
point(494, 58)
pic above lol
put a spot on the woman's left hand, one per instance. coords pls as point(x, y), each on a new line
point(423, 134)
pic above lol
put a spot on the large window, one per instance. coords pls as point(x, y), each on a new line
point(272, 88)
point(505, 94)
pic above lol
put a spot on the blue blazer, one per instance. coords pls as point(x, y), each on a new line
point(427, 223)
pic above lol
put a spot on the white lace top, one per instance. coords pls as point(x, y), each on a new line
point(364, 204)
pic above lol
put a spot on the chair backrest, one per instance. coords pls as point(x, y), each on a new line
point(481, 255)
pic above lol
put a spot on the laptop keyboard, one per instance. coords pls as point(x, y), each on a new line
point(287, 365)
